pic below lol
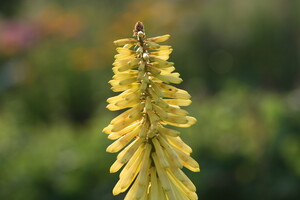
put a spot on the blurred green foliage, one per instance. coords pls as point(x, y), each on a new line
point(239, 60)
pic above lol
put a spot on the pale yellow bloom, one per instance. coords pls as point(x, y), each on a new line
point(152, 155)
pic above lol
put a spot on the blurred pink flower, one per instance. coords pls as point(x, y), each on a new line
point(16, 36)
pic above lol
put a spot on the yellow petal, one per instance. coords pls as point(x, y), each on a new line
point(123, 57)
point(148, 104)
point(168, 70)
point(144, 172)
point(123, 141)
point(160, 66)
point(182, 177)
point(130, 64)
point(180, 189)
point(188, 161)
point(178, 102)
point(179, 144)
point(162, 54)
point(125, 51)
point(153, 117)
point(160, 61)
point(160, 112)
point(163, 178)
point(159, 38)
point(125, 155)
point(161, 192)
point(154, 96)
point(175, 160)
point(126, 122)
point(157, 90)
point(154, 195)
point(161, 173)
point(164, 47)
point(168, 131)
point(124, 75)
point(144, 129)
point(152, 45)
point(128, 113)
point(131, 193)
point(127, 81)
point(176, 119)
point(154, 70)
point(129, 175)
point(179, 94)
point(172, 78)
point(176, 110)
point(122, 104)
point(118, 134)
point(107, 129)
point(160, 153)
point(136, 156)
point(191, 121)
point(120, 88)
point(122, 42)
point(121, 63)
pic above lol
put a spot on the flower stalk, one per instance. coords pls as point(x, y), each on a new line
point(153, 154)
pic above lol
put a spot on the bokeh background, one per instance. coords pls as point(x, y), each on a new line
point(240, 60)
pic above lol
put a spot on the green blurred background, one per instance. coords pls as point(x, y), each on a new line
point(238, 59)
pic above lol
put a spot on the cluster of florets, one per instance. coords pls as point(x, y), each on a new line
point(155, 153)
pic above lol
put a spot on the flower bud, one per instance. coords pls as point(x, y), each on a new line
point(146, 56)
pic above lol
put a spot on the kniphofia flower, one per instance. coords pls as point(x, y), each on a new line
point(152, 154)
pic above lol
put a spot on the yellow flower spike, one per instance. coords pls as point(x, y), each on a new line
point(151, 155)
